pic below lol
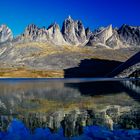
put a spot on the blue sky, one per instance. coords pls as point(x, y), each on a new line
point(17, 14)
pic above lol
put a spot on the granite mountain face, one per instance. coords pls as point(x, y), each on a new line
point(34, 33)
point(101, 36)
point(5, 34)
point(73, 33)
point(55, 35)
point(130, 35)
point(124, 37)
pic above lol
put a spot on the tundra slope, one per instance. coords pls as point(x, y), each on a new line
point(57, 49)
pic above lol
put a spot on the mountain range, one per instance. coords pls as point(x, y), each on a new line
point(43, 51)
point(73, 32)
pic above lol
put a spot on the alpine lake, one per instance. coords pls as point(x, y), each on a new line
point(75, 108)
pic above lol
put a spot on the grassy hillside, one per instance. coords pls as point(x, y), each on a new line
point(40, 59)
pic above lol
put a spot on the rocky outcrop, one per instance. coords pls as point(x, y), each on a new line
point(132, 71)
point(101, 36)
point(88, 33)
point(34, 33)
point(124, 37)
point(80, 31)
point(55, 35)
point(130, 68)
point(5, 34)
point(105, 34)
point(31, 32)
point(130, 35)
point(73, 31)
point(68, 31)
point(114, 41)
point(52, 34)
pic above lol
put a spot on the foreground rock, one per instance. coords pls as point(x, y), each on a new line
point(130, 68)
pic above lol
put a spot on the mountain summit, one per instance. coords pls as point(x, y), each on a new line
point(73, 33)
point(5, 34)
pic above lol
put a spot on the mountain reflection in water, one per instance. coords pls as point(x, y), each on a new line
point(70, 104)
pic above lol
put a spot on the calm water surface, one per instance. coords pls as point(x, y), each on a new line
point(71, 104)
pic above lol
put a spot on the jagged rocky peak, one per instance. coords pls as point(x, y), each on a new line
point(5, 34)
point(101, 35)
point(88, 33)
point(55, 35)
point(73, 31)
point(130, 35)
point(52, 34)
point(32, 32)
point(31, 29)
point(104, 34)
point(54, 26)
point(80, 31)
point(68, 31)
point(114, 41)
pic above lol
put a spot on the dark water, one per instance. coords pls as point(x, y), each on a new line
point(69, 108)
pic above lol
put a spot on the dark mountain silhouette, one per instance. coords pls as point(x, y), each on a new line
point(92, 68)
point(127, 68)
